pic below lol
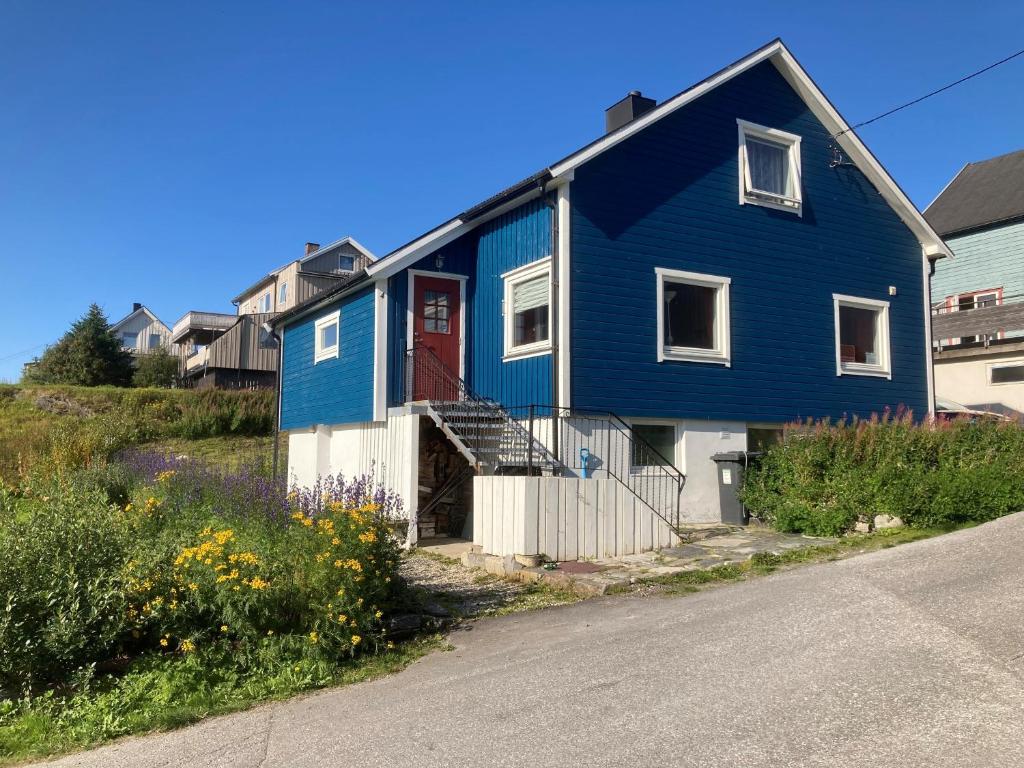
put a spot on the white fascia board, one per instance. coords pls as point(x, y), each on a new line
point(931, 244)
point(331, 246)
point(398, 260)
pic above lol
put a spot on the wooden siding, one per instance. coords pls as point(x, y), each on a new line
point(144, 326)
point(563, 518)
point(517, 238)
point(977, 322)
point(240, 348)
point(989, 258)
point(668, 197)
point(334, 391)
point(328, 261)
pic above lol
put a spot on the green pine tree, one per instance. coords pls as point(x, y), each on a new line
point(88, 355)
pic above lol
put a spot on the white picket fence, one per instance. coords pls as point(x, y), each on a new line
point(563, 518)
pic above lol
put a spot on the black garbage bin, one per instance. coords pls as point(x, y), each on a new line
point(730, 466)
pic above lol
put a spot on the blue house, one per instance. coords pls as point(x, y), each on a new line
point(551, 371)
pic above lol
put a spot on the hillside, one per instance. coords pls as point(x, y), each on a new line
point(55, 428)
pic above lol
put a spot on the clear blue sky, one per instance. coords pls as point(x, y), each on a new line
point(171, 153)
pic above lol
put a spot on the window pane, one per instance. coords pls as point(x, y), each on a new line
point(345, 263)
point(531, 326)
point(654, 445)
point(130, 340)
point(689, 315)
point(530, 300)
point(858, 335)
point(769, 167)
point(283, 294)
point(329, 335)
point(1008, 374)
point(154, 340)
point(762, 438)
point(435, 312)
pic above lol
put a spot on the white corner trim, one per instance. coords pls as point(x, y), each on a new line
point(326, 353)
point(791, 141)
point(884, 368)
point(564, 295)
point(928, 361)
point(380, 350)
point(721, 354)
point(511, 279)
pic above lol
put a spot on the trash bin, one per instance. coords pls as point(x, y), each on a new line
point(730, 466)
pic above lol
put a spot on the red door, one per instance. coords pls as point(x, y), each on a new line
point(436, 326)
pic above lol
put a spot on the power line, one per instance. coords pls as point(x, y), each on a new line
point(22, 352)
point(933, 93)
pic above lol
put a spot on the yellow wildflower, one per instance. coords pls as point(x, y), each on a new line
point(356, 639)
point(342, 618)
point(314, 638)
point(258, 583)
point(188, 646)
point(223, 627)
point(377, 615)
point(163, 641)
point(390, 645)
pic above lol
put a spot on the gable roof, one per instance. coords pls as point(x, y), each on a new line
point(787, 65)
point(982, 193)
point(562, 171)
point(141, 310)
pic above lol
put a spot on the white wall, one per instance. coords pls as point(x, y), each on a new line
point(702, 440)
point(389, 449)
point(965, 380)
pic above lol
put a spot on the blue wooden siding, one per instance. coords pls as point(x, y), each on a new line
point(512, 240)
point(335, 391)
point(668, 197)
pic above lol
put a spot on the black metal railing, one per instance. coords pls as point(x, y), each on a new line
point(602, 445)
point(482, 426)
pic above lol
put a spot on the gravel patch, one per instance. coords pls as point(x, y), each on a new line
point(463, 592)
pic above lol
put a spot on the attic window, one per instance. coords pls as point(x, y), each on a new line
point(326, 332)
point(769, 161)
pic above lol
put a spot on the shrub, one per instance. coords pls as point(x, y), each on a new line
point(823, 476)
point(62, 590)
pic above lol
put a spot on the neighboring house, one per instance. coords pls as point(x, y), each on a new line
point(140, 331)
point(583, 342)
point(233, 351)
point(978, 296)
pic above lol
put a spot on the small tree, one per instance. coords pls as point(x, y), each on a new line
point(87, 355)
point(157, 368)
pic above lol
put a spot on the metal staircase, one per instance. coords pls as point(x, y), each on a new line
point(481, 429)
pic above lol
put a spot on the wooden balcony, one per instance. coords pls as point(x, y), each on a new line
point(201, 327)
point(974, 329)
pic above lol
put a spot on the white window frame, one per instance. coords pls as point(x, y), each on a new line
point(1004, 364)
point(264, 301)
point(135, 340)
point(678, 434)
point(321, 353)
point(884, 367)
point(512, 278)
point(282, 293)
point(748, 195)
point(721, 352)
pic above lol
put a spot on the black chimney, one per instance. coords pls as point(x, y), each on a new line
point(629, 109)
point(136, 307)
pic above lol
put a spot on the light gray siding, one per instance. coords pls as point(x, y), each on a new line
point(989, 258)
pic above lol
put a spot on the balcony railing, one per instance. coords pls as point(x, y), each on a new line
point(201, 321)
point(959, 325)
point(197, 358)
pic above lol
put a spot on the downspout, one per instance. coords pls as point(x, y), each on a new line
point(279, 338)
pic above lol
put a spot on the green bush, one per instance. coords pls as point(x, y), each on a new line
point(63, 593)
point(822, 477)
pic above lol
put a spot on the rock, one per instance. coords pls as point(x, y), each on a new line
point(529, 561)
point(436, 610)
point(888, 521)
point(404, 624)
point(862, 527)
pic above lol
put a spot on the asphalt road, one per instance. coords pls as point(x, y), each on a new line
point(912, 656)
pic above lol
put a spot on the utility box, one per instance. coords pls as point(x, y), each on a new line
point(731, 465)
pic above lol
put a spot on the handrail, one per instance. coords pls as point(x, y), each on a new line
point(614, 449)
point(486, 429)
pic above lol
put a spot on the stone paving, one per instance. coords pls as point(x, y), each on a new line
point(736, 546)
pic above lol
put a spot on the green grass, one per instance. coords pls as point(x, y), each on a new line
point(761, 564)
point(534, 597)
point(227, 452)
point(163, 692)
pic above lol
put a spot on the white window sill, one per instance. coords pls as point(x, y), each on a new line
point(534, 350)
point(778, 205)
point(849, 370)
point(327, 354)
point(693, 356)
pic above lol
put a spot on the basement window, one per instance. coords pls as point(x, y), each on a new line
point(693, 317)
point(527, 309)
point(862, 336)
point(1006, 373)
point(769, 161)
point(327, 331)
point(652, 445)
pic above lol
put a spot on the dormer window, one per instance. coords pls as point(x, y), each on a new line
point(769, 161)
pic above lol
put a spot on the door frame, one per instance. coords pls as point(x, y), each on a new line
point(410, 319)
